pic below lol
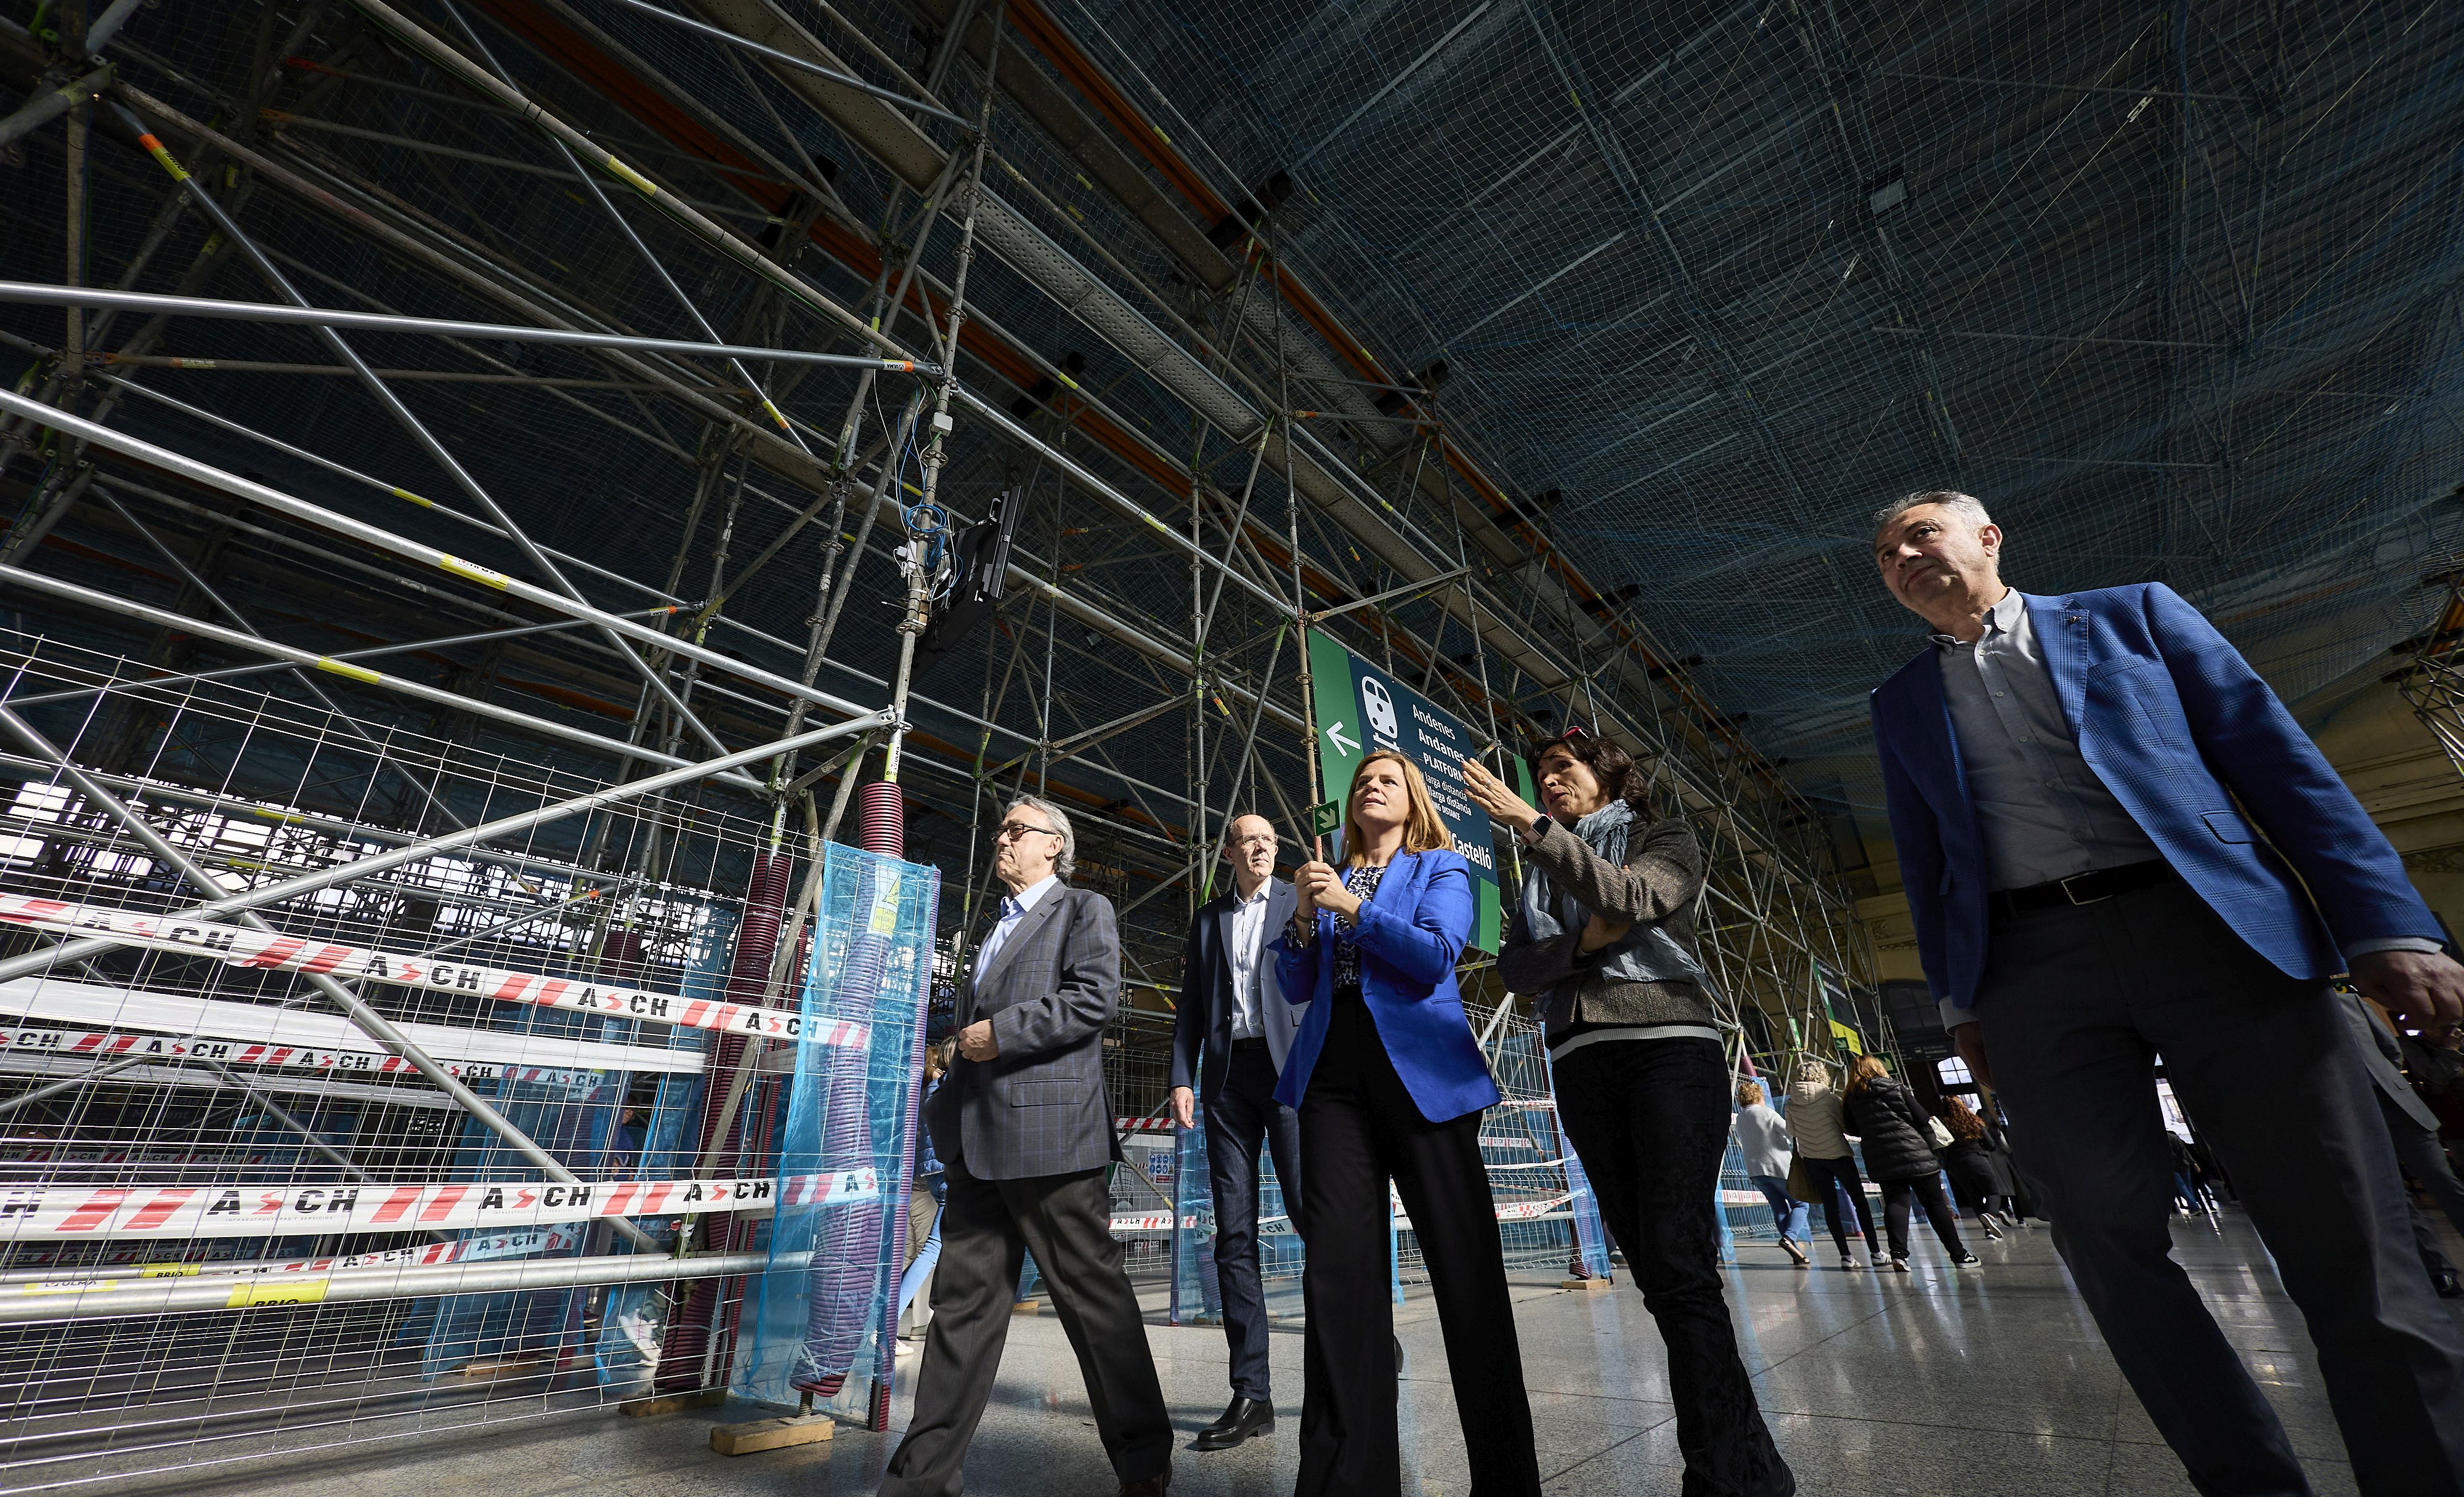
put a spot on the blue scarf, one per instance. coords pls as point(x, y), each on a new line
point(1645, 954)
point(1546, 914)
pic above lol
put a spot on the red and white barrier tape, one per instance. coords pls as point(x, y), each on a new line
point(271, 951)
point(98, 1044)
point(1151, 1223)
point(53, 1213)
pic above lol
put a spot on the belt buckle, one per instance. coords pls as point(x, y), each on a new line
point(2069, 894)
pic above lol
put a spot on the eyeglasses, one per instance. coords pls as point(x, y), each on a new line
point(1255, 839)
point(1012, 831)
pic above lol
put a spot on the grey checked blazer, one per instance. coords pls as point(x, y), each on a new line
point(1038, 1107)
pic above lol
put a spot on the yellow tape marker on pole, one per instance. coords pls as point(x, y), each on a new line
point(358, 673)
point(633, 179)
point(475, 573)
point(307, 1292)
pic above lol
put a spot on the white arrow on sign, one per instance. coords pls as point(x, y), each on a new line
point(1343, 745)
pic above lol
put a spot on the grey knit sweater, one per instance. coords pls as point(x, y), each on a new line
point(1661, 878)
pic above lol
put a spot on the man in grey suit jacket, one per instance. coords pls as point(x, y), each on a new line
point(1231, 1033)
point(1024, 1131)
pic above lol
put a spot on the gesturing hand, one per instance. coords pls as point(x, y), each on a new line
point(1599, 931)
point(1492, 794)
point(2424, 986)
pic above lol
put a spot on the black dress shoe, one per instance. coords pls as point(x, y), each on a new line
point(1241, 1419)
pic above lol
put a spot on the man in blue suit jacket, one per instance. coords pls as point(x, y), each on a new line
point(2117, 844)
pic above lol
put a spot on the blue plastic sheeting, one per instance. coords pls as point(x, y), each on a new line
point(827, 1324)
point(631, 1316)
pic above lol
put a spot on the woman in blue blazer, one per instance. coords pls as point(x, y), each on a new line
point(1390, 1086)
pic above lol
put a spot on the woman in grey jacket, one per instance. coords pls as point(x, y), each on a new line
point(1603, 934)
point(1762, 1138)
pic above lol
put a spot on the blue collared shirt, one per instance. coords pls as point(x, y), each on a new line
point(1013, 908)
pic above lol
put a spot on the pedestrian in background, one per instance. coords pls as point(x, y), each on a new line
point(1762, 1138)
point(1969, 1162)
point(1899, 1152)
point(923, 1214)
point(1819, 1125)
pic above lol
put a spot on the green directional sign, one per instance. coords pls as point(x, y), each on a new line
point(1362, 707)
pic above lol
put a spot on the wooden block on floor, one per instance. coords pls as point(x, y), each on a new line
point(772, 1434)
point(1587, 1285)
point(1027, 1306)
point(673, 1402)
point(499, 1367)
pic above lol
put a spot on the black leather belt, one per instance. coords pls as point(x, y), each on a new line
point(2084, 888)
point(1248, 1044)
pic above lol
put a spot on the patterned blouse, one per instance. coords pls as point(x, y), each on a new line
point(1362, 881)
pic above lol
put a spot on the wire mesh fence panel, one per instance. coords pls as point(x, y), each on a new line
point(385, 1161)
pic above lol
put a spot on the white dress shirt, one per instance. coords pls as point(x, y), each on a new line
point(1013, 908)
point(1244, 948)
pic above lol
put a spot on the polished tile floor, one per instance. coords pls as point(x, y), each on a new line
point(1988, 1382)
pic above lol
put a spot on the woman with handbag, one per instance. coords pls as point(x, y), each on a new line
point(1762, 1136)
point(1603, 932)
point(1390, 1085)
point(1818, 1125)
point(1899, 1152)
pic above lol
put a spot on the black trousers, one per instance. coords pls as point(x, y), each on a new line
point(1973, 1184)
point(2076, 1003)
point(1842, 1172)
point(1898, 1195)
point(987, 1226)
point(1650, 1120)
point(1241, 1116)
point(1359, 1129)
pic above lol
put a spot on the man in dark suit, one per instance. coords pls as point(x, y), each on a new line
point(1230, 1036)
point(2118, 843)
point(1024, 1131)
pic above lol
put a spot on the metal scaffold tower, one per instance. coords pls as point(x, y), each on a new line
point(499, 489)
point(2433, 683)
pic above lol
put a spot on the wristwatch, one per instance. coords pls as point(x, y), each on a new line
point(1538, 829)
